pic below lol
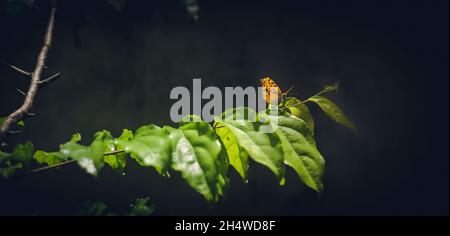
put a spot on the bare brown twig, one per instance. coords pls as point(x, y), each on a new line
point(23, 110)
point(16, 69)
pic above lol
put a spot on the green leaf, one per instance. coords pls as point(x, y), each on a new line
point(50, 158)
point(23, 153)
point(264, 148)
point(331, 87)
point(94, 209)
point(117, 161)
point(20, 157)
point(237, 156)
point(299, 149)
point(75, 137)
point(333, 111)
point(198, 156)
point(142, 207)
point(126, 135)
point(300, 110)
point(8, 169)
point(150, 146)
point(90, 158)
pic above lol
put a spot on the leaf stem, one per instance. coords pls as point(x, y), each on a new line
point(70, 162)
point(326, 90)
point(52, 166)
point(113, 152)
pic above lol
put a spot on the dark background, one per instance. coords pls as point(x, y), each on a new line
point(118, 67)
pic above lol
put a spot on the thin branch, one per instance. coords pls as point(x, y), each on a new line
point(64, 163)
point(21, 92)
point(49, 79)
point(113, 152)
point(68, 162)
point(326, 90)
point(14, 132)
point(16, 69)
point(35, 78)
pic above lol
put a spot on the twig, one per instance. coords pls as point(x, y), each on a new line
point(49, 79)
point(16, 69)
point(68, 162)
point(113, 152)
point(52, 166)
point(14, 132)
point(21, 92)
point(326, 90)
point(35, 78)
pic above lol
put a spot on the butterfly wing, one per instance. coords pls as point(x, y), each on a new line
point(272, 91)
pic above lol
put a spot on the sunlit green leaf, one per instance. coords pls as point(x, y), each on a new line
point(264, 148)
point(197, 154)
point(116, 161)
point(299, 149)
point(150, 146)
point(75, 137)
point(332, 87)
point(90, 158)
point(237, 156)
point(49, 158)
point(126, 135)
point(300, 110)
point(333, 111)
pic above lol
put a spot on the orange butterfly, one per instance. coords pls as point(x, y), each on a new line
point(272, 91)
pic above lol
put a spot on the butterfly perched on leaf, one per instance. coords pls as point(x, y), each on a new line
point(272, 92)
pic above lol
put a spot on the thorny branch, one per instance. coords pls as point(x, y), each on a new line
point(35, 76)
point(16, 69)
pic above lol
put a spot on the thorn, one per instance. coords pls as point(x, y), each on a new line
point(50, 79)
point(30, 114)
point(16, 69)
point(21, 92)
point(14, 132)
